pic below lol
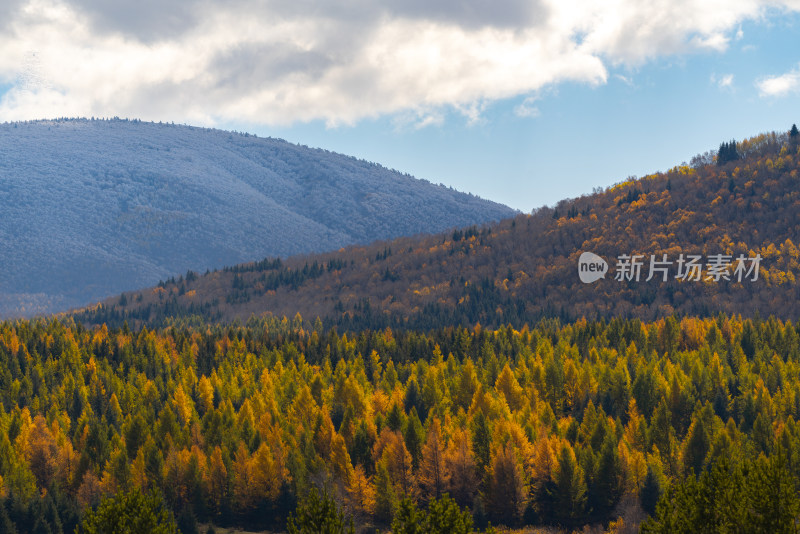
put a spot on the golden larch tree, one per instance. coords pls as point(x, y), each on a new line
point(433, 476)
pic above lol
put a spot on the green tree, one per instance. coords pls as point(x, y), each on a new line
point(414, 435)
point(774, 503)
point(385, 496)
point(130, 513)
point(652, 489)
point(408, 520)
point(443, 516)
point(757, 496)
point(607, 483)
point(5, 522)
point(481, 443)
point(569, 491)
point(727, 152)
point(698, 440)
point(319, 514)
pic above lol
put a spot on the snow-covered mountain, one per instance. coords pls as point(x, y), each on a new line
point(90, 208)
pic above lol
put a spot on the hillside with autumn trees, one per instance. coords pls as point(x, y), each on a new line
point(439, 384)
point(742, 202)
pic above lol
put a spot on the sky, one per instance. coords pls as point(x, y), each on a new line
point(524, 102)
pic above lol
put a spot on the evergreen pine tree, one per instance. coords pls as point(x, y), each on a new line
point(607, 486)
point(727, 152)
point(413, 436)
point(319, 514)
point(774, 503)
point(130, 512)
point(187, 523)
point(6, 525)
point(408, 519)
point(481, 443)
point(569, 490)
point(41, 526)
point(651, 491)
point(385, 496)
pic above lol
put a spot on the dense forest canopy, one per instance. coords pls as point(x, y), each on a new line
point(442, 383)
point(525, 268)
point(588, 422)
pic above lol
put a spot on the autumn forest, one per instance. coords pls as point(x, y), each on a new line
point(523, 269)
point(451, 383)
point(564, 425)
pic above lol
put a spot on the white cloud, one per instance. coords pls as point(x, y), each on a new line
point(527, 109)
point(417, 119)
point(723, 82)
point(472, 111)
point(283, 61)
point(624, 79)
point(780, 85)
point(726, 81)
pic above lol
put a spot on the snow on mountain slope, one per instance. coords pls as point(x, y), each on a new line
point(90, 208)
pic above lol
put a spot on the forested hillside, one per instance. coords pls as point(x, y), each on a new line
point(746, 203)
point(91, 208)
point(562, 425)
point(464, 379)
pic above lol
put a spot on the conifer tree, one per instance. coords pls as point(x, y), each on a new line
point(130, 513)
point(319, 514)
point(434, 475)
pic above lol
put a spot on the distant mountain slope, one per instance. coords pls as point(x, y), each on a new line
point(93, 208)
point(521, 269)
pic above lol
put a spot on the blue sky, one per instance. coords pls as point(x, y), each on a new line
point(524, 102)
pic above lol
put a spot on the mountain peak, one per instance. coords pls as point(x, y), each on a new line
point(96, 207)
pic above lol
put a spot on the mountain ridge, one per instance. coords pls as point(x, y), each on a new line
point(524, 268)
point(96, 207)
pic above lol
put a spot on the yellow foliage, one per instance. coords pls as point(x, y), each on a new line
point(360, 492)
point(205, 392)
point(507, 385)
point(183, 405)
